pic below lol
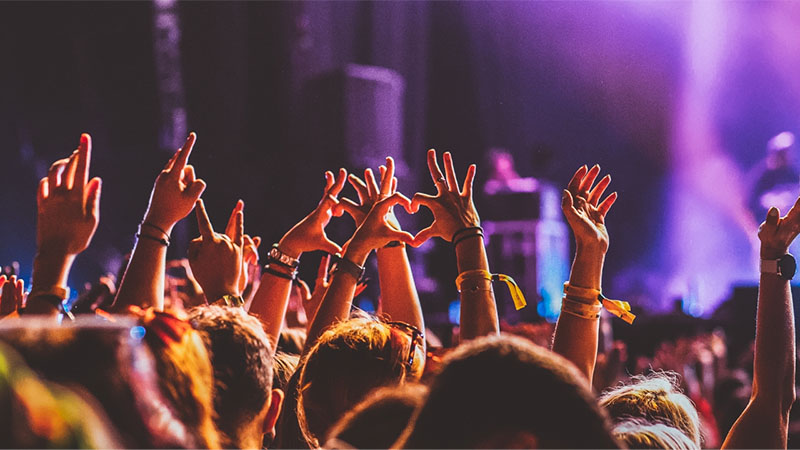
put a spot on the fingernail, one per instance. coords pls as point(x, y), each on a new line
point(773, 212)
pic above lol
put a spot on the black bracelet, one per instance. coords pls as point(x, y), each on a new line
point(455, 235)
point(347, 266)
point(166, 235)
point(161, 241)
point(280, 274)
point(463, 238)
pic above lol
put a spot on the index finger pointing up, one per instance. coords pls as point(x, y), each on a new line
point(203, 223)
point(84, 159)
point(183, 153)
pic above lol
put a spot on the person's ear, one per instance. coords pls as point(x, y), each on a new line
point(274, 411)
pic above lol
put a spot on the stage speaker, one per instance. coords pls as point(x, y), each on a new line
point(355, 116)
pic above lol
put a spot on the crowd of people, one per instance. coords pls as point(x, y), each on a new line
point(229, 349)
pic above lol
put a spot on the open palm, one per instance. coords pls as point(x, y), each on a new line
point(583, 209)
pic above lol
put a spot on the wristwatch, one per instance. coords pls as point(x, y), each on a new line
point(279, 257)
point(784, 267)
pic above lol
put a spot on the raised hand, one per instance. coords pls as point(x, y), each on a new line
point(777, 233)
point(309, 234)
point(368, 194)
point(68, 204)
point(379, 226)
point(175, 191)
point(13, 293)
point(249, 246)
point(452, 209)
point(583, 209)
point(216, 259)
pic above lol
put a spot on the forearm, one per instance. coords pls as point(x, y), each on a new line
point(270, 303)
point(335, 305)
point(478, 307)
point(774, 362)
point(399, 299)
point(50, 269)
point(143, 282)
point(576, 337)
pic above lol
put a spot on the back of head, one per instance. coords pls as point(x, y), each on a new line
point(241, 358)
point(184, 372)
point(640, 434)
point(503, 391)
point(283, 367)
point(655, 399)
point(379, 419)
point(347, 361)
point(109, 361)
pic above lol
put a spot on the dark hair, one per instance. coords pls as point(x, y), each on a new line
point(241, 356)
point(379, 419)
point(501, 390)
point(109, 361)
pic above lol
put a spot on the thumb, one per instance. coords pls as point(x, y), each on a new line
point(772, 216)
point(93, 197)
point(329, 246)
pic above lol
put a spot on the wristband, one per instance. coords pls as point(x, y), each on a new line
point(345, 265)
point(580, 309)
point(516, 292)
point(55, 296)
point(277, 256)
point(465, 229)
point(463, 238)
point(280, 274)
point(148, 224)
point(594, 296)
point(161, 241)
point(232, 300)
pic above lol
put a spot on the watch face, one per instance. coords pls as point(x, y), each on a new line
point(788, 266)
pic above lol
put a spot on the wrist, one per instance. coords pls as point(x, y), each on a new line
point(287, 247)
point(768, 252)
point(357, 252)
point(164, 224)
point(218, 293)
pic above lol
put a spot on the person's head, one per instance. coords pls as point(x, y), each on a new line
point(184, 371)
point(283, 367)
point(378, 420)
point(654, 398)
point(109, 362)
point(246, 406)
point(505, 392)
point(349, 360)
point(641, 434)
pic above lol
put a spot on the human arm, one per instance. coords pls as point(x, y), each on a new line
point(373, 233)
point(765, 421)
point(576, 337)
point(453, 210)
point(173, 197)
point(399, 298)
point(272, 297)
point(68, 212)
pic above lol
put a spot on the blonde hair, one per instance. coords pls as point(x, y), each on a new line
point(347, 361)
point(655, 398)
point(640, 434)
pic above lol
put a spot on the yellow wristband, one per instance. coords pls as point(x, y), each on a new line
point(516, 292)
point(580, 309)
point(618, 308)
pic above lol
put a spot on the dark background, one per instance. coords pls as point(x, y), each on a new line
point(560, 84)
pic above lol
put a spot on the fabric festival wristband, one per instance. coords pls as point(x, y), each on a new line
point(580, 309)
point(618, 308)
point(516, 292)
